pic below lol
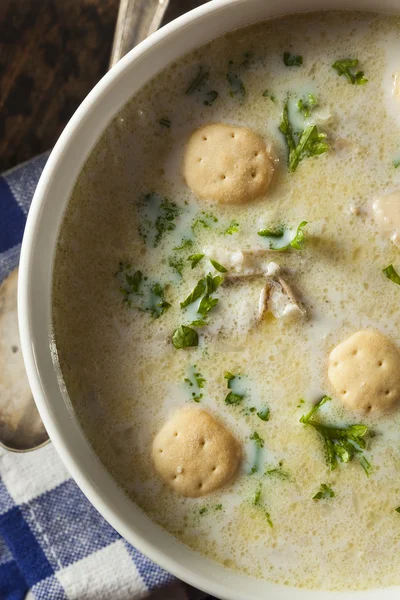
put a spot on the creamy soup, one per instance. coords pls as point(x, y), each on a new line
point(258, 359)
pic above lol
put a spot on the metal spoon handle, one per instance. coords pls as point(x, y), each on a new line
point(137, 19)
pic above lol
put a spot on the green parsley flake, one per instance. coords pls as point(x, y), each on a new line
point(347, 67)
point(264, 414)
point(340, 443)
point(391, 274)
point(277, 472)
point(232, 397)
point(186, 243)
point(292, 60)
point(309, 142)
point(267, 94)
point(203, 510)
point(275, 233)
point(205, 219)
point(165, 123)
point(324, 493)
point(197, 82)
point(294, 243)
point(218, 507)
point(255, 437)
point(233, 228)
point(306, 106)
point(397, 509)
point(185, 337)
point(217, 266)
point(396, 163)
point(176, 263)
point(158, 216)
point(196, 382)
point(195, 259)
point(139, 293)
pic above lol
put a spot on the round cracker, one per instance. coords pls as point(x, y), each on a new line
point(227, 164)
point(365, 372)
point(20, 424)
point(195, 454)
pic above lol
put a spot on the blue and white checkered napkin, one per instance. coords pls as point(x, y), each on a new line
point(52, 541)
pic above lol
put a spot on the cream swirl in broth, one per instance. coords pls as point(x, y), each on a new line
point(131, 211)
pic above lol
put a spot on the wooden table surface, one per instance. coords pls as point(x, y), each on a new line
point(52, 52)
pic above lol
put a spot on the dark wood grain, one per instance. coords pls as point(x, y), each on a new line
point(52, 52)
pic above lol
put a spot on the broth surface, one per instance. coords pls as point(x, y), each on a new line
point(124, 378)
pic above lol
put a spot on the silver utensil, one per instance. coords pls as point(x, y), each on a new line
point(21, 429)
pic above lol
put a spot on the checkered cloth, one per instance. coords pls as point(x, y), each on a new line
point(52, 541)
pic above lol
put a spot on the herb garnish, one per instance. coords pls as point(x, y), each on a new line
point(166, 212)
point(264, 414)
point(294, 243)
point(396, 163)
point(205, 219)
point(267, 94)
point(233, 228)
point(392, 274)
point(310, 142)
point(203, 510)
point(232, 397)
point(340, 443)
point(165, 122)
point(195, 259)
point(185, 337)
point(197, 380)
point(255, 437)
point(138, 292)
point(347, 67)
point(257, 502)
point(306, 106)
point(397, 509)
point(237, 86)
point(217, 266)
point(278, 472)
point(197, 82)
point(275, 233)
point(186, 243)
point(325, 492)
point(176, 263)
point(207, 285)
point(292, 60)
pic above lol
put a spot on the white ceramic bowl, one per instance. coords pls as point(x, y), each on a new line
point(110, 94)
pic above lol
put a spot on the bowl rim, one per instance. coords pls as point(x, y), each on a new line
point(34, 297)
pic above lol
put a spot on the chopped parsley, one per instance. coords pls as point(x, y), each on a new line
point(233, 397)
point(217, 266)
point(197, 85)
point(195, 259)
point(185, 337)
point(205, 219)
point(275, 233)
point(257, 502)
point(309, 142)
point(207, 303)
point(238, 89)
point(158, 216)
point(392, 274)
point(397, 509)
point(210, 98)
point(203, 510)
point(195, 294)
point(324, 493)
point(348, 68)
point(294, 243)
point(233, 228)
point(255, 437)
point(277, 472)
point(186, 243)
point(396, 163)
point(138, 292)
point(165, 123)
point(176, 263)
point(340, 443)
point(197, 82)
point(306, 106)
point(218, 507)
point(264, 414)
point(195, 381)
point(267, 94)
point(292, 60)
